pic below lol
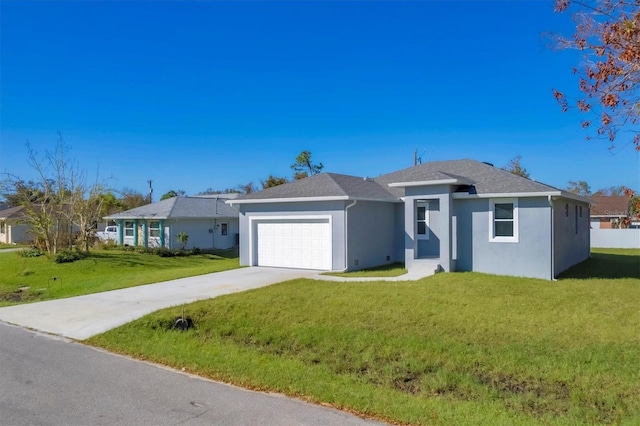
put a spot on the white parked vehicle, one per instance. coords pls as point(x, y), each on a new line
point(109, 233)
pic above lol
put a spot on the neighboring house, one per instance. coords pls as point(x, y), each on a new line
point(610, 211)
point(207, 220)
point(12, 231)
point(460, 215)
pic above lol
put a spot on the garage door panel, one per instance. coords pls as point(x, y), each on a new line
point(294, 244)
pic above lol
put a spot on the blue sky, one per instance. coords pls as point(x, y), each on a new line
point(205, 94)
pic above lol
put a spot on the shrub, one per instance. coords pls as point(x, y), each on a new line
point(107, 245)
point(164, 252)
point(68, 256)
point(30, 252)
point(196, 251)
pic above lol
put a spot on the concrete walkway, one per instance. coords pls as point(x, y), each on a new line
point(84, 316)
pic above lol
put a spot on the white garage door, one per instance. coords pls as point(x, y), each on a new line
point(302, 244)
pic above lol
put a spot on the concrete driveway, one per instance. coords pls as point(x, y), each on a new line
point(84, 316)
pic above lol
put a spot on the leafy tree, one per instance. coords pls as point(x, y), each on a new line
point(110, 204)
point(272, 181)
point(579, 187)
point(515, 167)
point(304, 167)
point(130, 199)
point(16, 192)
point(172, 193)
point(608, 35)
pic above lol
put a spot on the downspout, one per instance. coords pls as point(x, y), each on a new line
point(553, 254)
point(346, 235)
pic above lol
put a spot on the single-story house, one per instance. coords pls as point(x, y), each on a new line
point(610, 211)
point(460, 215)
point(12, 230)
point(208, 221)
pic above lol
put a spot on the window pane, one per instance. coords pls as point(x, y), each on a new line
point(422, 228)
point(504, 211)
point(223, 230)
point(154, 233)
point(421, 212)
point(154, 225)
point(504, 228)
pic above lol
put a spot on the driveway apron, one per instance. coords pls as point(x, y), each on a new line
point(84, 316)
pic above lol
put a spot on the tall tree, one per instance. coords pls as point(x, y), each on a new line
point(130, 199)
point(608, 34)
point(515, 167)
point(304, 167)
point(579, 187)
point(59, 203)
point(272, 181)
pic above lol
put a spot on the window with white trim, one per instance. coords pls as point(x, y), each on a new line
point(3, 227)
point(422, 220)
point(154, 228)
point(503, 220)
point(128, 228)
point(224, 228)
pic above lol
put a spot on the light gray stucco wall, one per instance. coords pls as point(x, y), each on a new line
point(334, 209)
point(371, 234)
point(529, 257)
point(570, 247)
point(398, 241)
point(439, 224)
point(19, 233)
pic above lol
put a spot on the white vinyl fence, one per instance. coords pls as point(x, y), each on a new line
point(615, 238)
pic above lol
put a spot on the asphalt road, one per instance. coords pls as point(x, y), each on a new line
point(47, 380)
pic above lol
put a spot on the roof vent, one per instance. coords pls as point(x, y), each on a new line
point(488, 164)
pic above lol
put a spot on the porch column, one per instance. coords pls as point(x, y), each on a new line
point(120, 232)
point(135, 232)
point(445, 242)
point(161, 233)
point(145, 234)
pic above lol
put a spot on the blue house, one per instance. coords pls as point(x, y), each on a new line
point(207, 220)
point(460, 215)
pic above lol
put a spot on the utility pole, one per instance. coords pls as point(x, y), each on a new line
point(150, 191)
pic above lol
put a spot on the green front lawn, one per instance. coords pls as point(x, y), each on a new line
point(455, 348)
point(103, 270)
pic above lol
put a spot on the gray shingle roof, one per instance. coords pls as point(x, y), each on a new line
point(486, 179)
point(326, 185)
point(180, 208)
point(12, 213)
